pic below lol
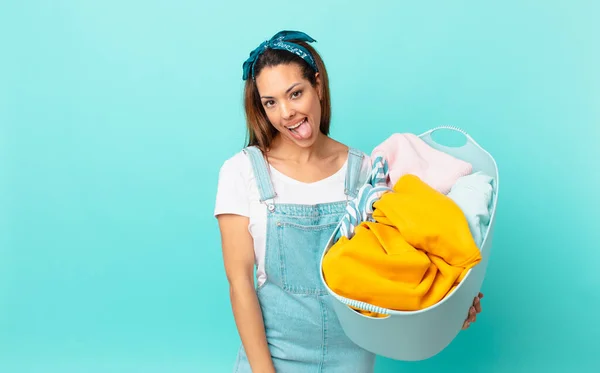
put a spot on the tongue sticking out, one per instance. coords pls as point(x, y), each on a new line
point(303, 131)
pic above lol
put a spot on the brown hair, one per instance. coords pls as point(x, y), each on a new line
point(260, 131)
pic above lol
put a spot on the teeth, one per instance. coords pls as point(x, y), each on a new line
point(297, 125)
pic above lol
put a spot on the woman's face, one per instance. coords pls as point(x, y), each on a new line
point(291, 103)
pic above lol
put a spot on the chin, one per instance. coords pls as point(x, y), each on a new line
point(304, 143)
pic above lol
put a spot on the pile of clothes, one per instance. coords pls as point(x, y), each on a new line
point(414, 230)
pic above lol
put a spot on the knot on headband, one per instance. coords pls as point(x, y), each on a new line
point(281, 41)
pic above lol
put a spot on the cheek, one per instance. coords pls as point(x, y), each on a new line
point(273, 116)
point(316, 108)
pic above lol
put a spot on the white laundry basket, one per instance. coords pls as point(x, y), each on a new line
point(419, 335)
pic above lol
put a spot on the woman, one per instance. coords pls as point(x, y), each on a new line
point(278, 202)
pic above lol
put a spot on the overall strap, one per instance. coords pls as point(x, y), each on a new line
point(353, 176)
point(261, 173)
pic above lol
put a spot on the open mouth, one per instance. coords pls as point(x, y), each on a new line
point(296, 126)
point(301, 130)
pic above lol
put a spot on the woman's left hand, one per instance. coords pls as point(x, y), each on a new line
point(473, 311)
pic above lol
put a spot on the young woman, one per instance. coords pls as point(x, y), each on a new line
point(278, 202)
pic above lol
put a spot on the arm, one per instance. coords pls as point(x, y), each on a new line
point(238, 256)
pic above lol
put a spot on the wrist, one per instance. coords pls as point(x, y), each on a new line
point(268, 368)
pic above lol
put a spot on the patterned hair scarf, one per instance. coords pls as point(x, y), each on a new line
point(281, 41)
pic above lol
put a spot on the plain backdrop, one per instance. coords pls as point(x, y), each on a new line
point(115, 117)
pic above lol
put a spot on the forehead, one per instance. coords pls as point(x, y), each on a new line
point(275, 80)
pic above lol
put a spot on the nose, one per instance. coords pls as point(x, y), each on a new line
point(287, 112)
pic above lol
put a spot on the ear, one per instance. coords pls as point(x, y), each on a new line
point(319, 86)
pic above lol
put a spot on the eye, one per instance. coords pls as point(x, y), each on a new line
point(269, 103)
point(297, 94)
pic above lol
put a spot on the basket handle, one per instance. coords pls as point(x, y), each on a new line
point(470, 140)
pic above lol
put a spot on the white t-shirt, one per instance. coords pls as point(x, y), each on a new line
point(237, 193)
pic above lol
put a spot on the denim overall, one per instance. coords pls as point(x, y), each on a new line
point(303, 332)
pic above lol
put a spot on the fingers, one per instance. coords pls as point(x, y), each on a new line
point(471, 317)
point(472, 314)
point(477, 305)
point(473, 311)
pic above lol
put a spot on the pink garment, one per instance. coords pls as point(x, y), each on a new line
point(406, 153)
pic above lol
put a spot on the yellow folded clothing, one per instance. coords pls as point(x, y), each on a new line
point(414, 254)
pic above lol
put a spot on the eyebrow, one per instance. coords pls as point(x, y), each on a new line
point(287, 91)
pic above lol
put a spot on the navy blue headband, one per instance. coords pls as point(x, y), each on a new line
point(281, 41)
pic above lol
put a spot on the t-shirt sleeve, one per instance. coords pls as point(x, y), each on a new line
point(232, 190)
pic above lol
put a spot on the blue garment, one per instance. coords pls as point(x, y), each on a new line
point(303, 332)
point(473, 194)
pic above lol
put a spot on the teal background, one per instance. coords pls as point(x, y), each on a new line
point(115, 117)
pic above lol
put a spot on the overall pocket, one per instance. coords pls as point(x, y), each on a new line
point(300, 248)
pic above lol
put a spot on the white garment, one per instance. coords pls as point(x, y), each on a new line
point(237, 193)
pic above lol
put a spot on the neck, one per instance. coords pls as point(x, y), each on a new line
point(284, 148)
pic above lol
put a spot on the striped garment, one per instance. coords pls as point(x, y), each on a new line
point(360, 208)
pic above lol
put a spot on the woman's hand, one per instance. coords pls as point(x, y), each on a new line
point(473, 311)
